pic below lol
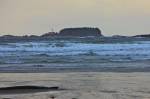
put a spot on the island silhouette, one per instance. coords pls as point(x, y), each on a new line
point(66, 32)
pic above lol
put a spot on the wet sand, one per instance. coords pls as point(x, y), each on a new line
point(85, 85)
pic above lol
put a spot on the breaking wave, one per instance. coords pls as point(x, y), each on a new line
point(50, 51)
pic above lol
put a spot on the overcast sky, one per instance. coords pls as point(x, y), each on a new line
point(113, 17)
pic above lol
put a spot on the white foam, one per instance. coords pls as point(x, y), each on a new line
point(134, 49)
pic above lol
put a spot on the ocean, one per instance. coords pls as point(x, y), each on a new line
point(112, 54)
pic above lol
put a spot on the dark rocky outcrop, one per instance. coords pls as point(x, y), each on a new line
point(8, 38)
point(27, 89)
point(49, 34)
point(144, 35)
point(80, 32)
point(119, 36)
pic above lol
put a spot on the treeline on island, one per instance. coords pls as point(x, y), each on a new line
point(79, 32)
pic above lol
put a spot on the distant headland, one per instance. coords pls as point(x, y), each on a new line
point(66, 32)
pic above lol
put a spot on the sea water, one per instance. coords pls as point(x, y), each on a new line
point(80, 53)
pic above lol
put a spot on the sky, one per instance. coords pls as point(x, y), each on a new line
point(113, 17)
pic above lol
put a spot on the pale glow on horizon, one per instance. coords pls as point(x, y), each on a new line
point(114, 17)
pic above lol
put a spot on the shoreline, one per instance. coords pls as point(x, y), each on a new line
point(125, 67)
point(79, 85)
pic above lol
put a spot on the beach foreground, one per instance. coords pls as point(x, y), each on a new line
point(87, 85)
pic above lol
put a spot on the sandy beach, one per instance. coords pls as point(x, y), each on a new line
point(85, 85)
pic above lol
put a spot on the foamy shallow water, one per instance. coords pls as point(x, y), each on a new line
point(67, 51)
